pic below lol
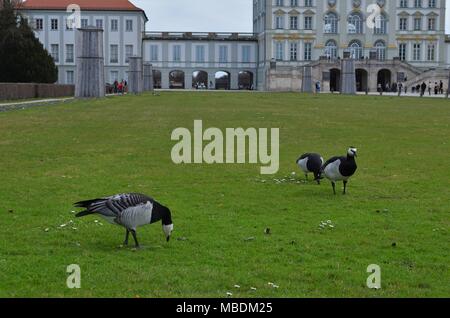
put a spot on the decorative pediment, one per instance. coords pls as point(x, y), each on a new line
point(279, 12)
point(294, 12)
point(309, 12)
point(403, 14)
point(432, 14)
point(418, 14)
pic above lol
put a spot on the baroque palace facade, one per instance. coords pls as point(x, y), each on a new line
point(406, 43)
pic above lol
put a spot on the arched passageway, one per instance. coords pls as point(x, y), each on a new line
point(223, 80)
point(176, 80)
point(384, 79)
point(200, 80)
point(245, 80)
point(361, 80)
point(157, 79)
point(335, 80)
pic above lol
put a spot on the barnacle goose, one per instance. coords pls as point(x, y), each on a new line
point(311, 163)
point(129, 210)
point(340, 168)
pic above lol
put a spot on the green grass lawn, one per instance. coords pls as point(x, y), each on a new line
point(52, 156)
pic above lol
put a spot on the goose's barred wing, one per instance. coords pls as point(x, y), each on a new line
point(114, 205)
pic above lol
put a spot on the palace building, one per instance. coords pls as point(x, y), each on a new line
point(391, 41)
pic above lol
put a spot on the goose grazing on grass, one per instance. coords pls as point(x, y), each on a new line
point(311, 163)
point(340, 168)
point(129, 210)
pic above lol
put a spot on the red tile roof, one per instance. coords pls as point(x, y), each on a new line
point(88, 5)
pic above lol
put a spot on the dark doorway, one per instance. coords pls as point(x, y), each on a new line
point(361, 80)
point(335, 80)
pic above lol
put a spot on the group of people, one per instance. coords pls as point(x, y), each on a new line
point(437, 88)
point(120, 87)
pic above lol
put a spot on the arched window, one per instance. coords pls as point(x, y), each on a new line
point(331, 23)
point(331, 49)
point(356, 50)
point(380, 24)
point(380, 46)
point(355, 23)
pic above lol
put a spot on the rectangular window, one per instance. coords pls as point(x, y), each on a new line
point(69, 78)
point(431, 24)
point(432, 3)
point(402, 51)
point(293, 21)
point(223, 54)
point(293, 51)
point(418, 3)
point(114, 25)
point(153, 53)
point(308, 51)
point(417, 24)
point(431, 52)
point(177, 53)
point(280, 3)
point(39, 24)
point(279, 54)
point(308, 23)
point(403, 24)
point(69, 53)
point(54, 48)
point(403, 3)
point(279, 22)
point(54, 24)
point(416, 52)
point(129, 25)
point(128, 52)
point(308, 3)
point(114, 53)
point(99, 23)
point(84, 23)
point(200, 54)
point(246, 53)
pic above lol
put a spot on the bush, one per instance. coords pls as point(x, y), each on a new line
point(23, 59)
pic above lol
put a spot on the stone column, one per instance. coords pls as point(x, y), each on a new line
point(148, 78)
point(348, 77)
point(448, 88)
point(90, 64)
point(307, 84)
point(135, 75)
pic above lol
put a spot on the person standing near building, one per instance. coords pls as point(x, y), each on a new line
point(423, 87)
point(441, 87)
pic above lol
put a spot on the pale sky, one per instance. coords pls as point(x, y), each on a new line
point(205, 15)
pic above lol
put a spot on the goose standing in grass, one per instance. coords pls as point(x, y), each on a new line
point(340, 168)
point(129, 210)
point(311, 163)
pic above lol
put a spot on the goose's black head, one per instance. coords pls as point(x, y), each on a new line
point(167, 223)
point(352, 152)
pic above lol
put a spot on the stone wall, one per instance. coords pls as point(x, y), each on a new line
point(10, 91)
